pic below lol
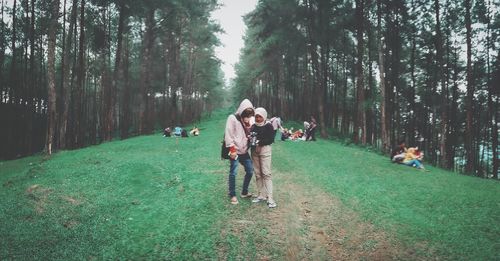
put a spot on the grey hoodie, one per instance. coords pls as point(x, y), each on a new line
point(234, 134)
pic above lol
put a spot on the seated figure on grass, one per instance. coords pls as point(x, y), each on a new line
point(413, 158)
point(398, 153)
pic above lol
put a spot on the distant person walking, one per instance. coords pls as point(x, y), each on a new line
point(264, 133)
point(236, 138)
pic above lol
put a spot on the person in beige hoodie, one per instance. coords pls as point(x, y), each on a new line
point(236, 138)
point(261, 157)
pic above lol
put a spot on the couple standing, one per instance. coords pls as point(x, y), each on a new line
point(240, 127)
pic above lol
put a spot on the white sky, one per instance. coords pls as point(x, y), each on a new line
point(230, 17)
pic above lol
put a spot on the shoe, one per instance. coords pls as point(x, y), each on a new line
point(234, 200)
point(258, 199)
point(271, 204)
point(248, 195)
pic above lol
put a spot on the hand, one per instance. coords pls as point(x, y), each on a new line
point(233, 155)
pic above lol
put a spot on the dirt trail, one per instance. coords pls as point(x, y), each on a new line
point(308, 224)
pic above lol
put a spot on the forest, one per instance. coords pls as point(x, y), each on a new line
point(74, 73)
point(375, 72)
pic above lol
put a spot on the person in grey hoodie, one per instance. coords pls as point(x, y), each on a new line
point(236, 137)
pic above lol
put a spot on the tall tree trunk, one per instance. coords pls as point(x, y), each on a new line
point(469, 131)
point(318, 78)
point(78, 101)
point(495, 116)
point(118, 71)
point(2, 53)
point(359, 123)
point(146, 72)
point(107, 101)
point(384, 113)
point(443, 146)
point(492, 92)
point(51, 76)
point(66, 89)
point(13, 70)
point(126, 114)
point(31, 82)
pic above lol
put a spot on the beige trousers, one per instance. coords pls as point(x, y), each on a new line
point(261, 158)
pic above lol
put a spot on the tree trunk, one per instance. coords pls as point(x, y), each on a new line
point(66, 88)
point(359, 122)
point(118, 71)
point(146, 72)
point(51, 76)
point(2, 53)
point(495, 116)
point(13, 71)
point(443, 146)
point(318, 78)
point(31, 83)
point(78, 101)
point(469, 131)
point(126, 117)
point(384, 115)
point(107, 101)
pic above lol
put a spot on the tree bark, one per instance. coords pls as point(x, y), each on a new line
point(13, 70)
point(469, 131)
point(51, 77)
point(443, 144)
point(386, 143)
point(146, 72)
point(118, 73)
point(78, 97)
point(2, 52)
point(360, 123)
point(66, 88)
point(126, 114)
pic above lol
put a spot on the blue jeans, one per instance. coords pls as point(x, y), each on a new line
point(415, 162)
point(246, 161)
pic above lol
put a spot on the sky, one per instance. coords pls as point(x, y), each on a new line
point(230, 17)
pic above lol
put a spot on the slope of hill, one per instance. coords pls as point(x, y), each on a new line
point(152, 197)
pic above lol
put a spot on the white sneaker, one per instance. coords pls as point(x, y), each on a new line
point(271, 204)
point(258, 199)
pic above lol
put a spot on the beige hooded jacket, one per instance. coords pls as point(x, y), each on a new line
point(234, 134)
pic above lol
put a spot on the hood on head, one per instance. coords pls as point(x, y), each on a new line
point(245, 104)
point(262, 112)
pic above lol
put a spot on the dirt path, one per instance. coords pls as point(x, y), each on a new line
point(308, 224)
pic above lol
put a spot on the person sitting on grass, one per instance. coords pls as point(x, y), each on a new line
point(167, 132)
point(285, 134)
point(411, 159)
point(195, 131)
point(398, 153)
point(178, 131)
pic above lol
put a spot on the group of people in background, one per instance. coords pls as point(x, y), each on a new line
point(408, 156)
point(180, 132)
point(308, 135)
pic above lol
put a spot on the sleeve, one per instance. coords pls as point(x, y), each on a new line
point(229, 131)
point(268, 137)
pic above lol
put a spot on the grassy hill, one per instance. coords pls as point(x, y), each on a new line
point(152, 197)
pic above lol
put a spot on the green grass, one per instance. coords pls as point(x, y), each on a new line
point(454, 216)
point(152, 198)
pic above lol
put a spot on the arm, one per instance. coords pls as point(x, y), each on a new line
point(229, 132)
point(267, 135)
